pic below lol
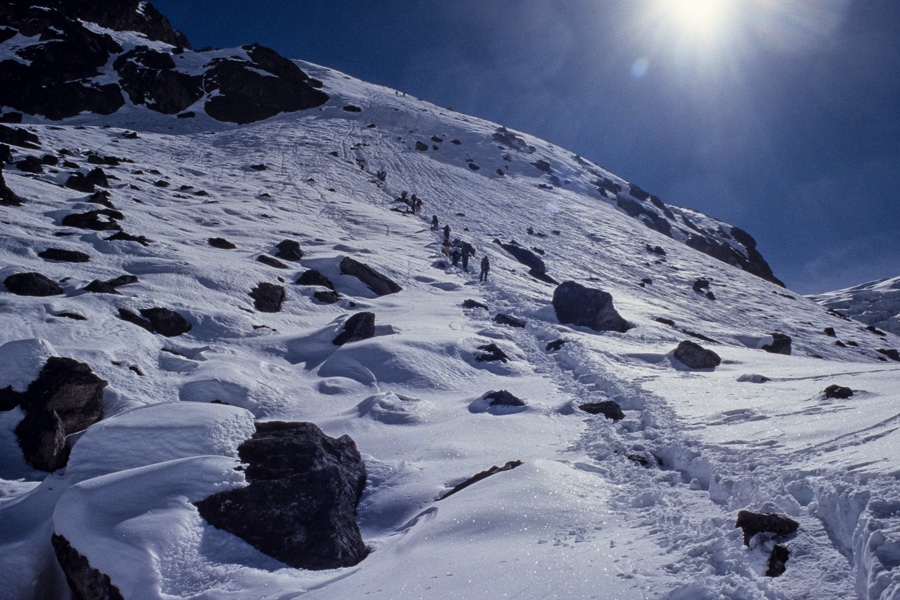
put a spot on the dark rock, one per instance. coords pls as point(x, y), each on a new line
point(313, 277)
point(327, 297)
point(86, 582)
point(71, 390)
point(300, 504)
point(554, 345)
point(469, 303)
point(268, 297)
point(491, 352)
point(353, 109)
point(503, 398)
point(837, 391)
point(50, 160)
point(104, 219)
point(19, 137)
point(503, 319)
point(121, 236)
point(578, 305)
point(753, 523)
point(891, 353)
point(5, 155)
point(259, 167)
point(64, 255)
point(101, 197)
point(700, 285)
point(710, 295)
point(96, 159)
point(32, 284)
point(665, 321)
point(162, 183)
point(637, 192)
point(9, 398)
point(645, 215)
point(130, 317)
point(526, 257)
point(71, 315)
point(165, 321)
point(608, 408)
point(422, 147)
point(509, 466)
point(875, 330)
point(100, 287)
point(7, 196)
point(272, 262)
point(30, 164)
point(656, 250)
point(42, 439)
point(289, 250)
point(694, 356)
point(375, 281)
point(10, 117)
point(221, 243)
point(829, 331)
point(777, 560)
point(149, 78)
point(360, 326)
point(781, 344)
point(186, 115)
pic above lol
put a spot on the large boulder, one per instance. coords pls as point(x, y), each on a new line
point(166, 321)
point(608, 408)
point(578, 305)
point(7, 196)
point(69, 388)
point(86, 582)
point(289, 250)
point(300, 504)
point(752, 523)
point(781, 344)
point(313, 277)
point(42, 439)
point(32, 284)
point(268, 297)
point(695, 356)
point(380, 285)
point(360, 326)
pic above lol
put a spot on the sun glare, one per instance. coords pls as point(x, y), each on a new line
point(702, 19)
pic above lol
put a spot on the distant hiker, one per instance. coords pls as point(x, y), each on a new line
point(485, 267)
point(454, 256)
point(465, 259)
point(447, 233)
point(434, 223)
point(413, 204)
point(418, 205)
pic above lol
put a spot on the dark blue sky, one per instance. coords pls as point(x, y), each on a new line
point(785, 122)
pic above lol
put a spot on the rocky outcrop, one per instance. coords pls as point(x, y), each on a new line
point(221, 243)
point(358, 327)
point(32, 284)
point(578, 305)
point(381, 285)
point(300, 504)
point(536, 265)
point(86, 582)
point(149, 77)
point(695, 356)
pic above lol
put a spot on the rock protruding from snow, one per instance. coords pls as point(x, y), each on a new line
point(221, 243)
point(86, 582)
point(509, 466)
point(578, 305)
point(166, 321)
point(491, 352)
point(380, 285)
point(300, 504)
point(781, 344)
point(314, 277)
point(42, 439)
point(838, 392)
point(289, 250)
point(752, 523)
point(358, 327)
point(695, 356)
point(608, 408)
point(268, 297)
point(32, 284)
point(7, 196)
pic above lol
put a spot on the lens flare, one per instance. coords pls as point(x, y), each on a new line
point(699, 19)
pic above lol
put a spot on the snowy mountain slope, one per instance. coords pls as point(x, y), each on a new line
point(580, 518)
point(876, 303)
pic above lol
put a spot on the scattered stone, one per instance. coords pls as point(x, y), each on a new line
point(289, 250)
point(71, 315)
point(272, 262)
point(829, 331)
point(491, 352)
point(64, 255)
point(7, 196)
point(554, 345)
point(259, 167)
point(98, 220)
point(509, 466)
point(777, 560)
point(314, 277)
point(86, 183)
point(50, 160)
point(608, 408)
point(749, 378)
point(469, 303)
point(665, 321)
point(166, 322)
point(700, 285)
point(639, 459)
point(19, 137)
point(86, 582)
point(753, 523)
point(838, 392)
point(502, 398)
point(375, 281)
point(327, 297)
point(30, 164)
point(351, 108)
point(360, 326)
point(694, 356)
point(130, 317)
point(268, 297)
point(221, 243)
point(421, 147)
point(32, 284)
point(121, 236)
point(891, 353)
point(578, 305)
point(875, 330)
point(300, 504)
point(101, 197)
point(100, 287)
point(503, 319)
point(781, 344)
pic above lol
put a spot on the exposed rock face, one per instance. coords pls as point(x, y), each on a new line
point(327, 297)
point(753, 523)
point(608, 408)
point(149, 77)
point(313, 277)
point(86, 582)
point(32, 284)
point(360, 326)
point(695, 356)
point(555, 345)
point(469, 303)
point(578, 305)
point(268, 297)
point(781, 344)
point(536, 266)
point(300, 504)
point(380, 284)
point(777, 560)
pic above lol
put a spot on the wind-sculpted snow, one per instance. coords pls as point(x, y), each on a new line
point(876, 303)
point(640, 506)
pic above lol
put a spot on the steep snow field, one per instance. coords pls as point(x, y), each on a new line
point(875, 303)
point(580, 518)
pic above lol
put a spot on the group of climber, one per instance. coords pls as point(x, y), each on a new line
point(460, 250)
point(413, 203)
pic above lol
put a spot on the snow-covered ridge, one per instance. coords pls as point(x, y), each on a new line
point(876, 303)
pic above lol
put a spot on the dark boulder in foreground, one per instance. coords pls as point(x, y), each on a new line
point(300, 504)
point(63, 255)
point(608, 408)
point(695, 356)
point(837, 391)
point(380, 284)
point(268, 297)
point(221, 243)
point(289, 250)
point(781, 344)
point(7, 196)
point(360, 326)
point(86, 582)
point(32, 284)
point(491, 352)
point(504, 319)
point(503, 398)
point(777, 560)
point(753, 523)
point(166, 322)
point(42, 439)
point(313, 277)
point(578, 305)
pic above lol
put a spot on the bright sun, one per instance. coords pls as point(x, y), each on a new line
point(695, 18)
